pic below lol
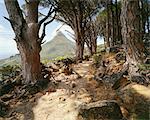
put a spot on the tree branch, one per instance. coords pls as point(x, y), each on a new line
point(11, 21)
point(44, 29)
point(47, 16)
point(16, 18)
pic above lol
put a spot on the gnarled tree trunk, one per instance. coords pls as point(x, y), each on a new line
point(134, 47)
point(27, 37)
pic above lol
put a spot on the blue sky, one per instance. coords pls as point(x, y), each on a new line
point(7, 44)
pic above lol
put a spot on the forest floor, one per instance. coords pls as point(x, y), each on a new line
point(63, 98)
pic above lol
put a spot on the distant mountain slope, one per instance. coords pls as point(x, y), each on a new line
point(58, 46)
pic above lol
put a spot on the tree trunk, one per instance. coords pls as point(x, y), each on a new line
point(30, 59)
point(117, 22)
point(94, 46)
point(108, 30)
point(26, 31)
point(147, 15)
point(134, 47)
point(143, 23)
point(112, 25)
point(79, 50)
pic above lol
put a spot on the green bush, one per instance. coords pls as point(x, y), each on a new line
point(9, 71)
point(97, 58)
point(144, 67)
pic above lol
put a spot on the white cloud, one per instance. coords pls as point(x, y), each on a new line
point(7, 47)
point(2, 29)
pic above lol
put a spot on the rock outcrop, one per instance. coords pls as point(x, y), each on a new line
point(101, 110)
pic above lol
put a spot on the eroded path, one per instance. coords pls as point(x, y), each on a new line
point(63, 104)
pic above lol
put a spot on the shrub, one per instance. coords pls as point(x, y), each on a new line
point(9, 71)
point(97, 58)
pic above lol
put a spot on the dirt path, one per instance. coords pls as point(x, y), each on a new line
point(63, 104)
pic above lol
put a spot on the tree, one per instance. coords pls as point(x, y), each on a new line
point(91, 34)
point(76, 13)
point(108, 29)
point(130, 20)
point(26, 28)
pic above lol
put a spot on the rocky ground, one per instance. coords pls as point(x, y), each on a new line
point(96, 89)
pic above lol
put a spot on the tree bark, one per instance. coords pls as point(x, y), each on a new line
point(112, 24)
point(30, 59)
point(79, 50)
point(108, 30)
point(94, 45)
point(147, 15)
point(26, 31)
point(130, 20)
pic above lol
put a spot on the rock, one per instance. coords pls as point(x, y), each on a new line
point(18, 80)
point(147, 61)
point(42, 84)
point(114, 49)
point(100, 72)
point(54, 67)
point(120, 57)
point(6, 88)
point(139, 79)
point(73, 84)
point(115, 78)
point(135, 99)
point(101, 110)
point(31, 89)
point(122, 82)
point(66, 70)
point(67, 61)
point(4, 109)
point(7, 97)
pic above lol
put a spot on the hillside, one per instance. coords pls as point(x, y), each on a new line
point(58, 46)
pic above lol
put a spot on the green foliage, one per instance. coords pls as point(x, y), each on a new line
point(60, 58)
point(97, 58)
point(9, 71)
point(100, 48)
point(144, 67)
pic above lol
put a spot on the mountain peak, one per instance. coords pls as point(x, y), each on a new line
point(58, 46)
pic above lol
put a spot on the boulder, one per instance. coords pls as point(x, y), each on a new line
point(120, 57)
point(66, 70)
point(136, 99)
point(100, 72)
point(101, 110)
point(66, 61)
point(54, 67)
point(115, 78)
point(7, 97)
point(139, 79)
point(114, 49)
point(4, 109)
